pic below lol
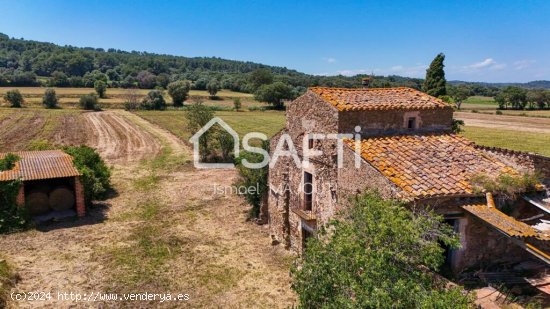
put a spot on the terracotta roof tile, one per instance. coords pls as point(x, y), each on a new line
point(345, 99)
point(429, 165)
point(504, 223)
point(36, 165)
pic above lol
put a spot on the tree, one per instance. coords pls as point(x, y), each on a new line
point(146, 80)
point(274, 94)
point(50, 98)
point(89, 102)
point(154, 101)
point(537, 97)
point(435, 83)
point(96, 176)
point(100, 87)
point(213, 87)
point(261, 77)
point(14, 97)
point(516, 96)
point(237, 104)
point(179, 90)
point(500, 98)
point(459, 94)
point(378, 255)
point(198, 115)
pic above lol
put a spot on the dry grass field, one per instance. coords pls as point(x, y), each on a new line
point(163, 231)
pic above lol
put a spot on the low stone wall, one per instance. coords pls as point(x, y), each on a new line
point(532, 161)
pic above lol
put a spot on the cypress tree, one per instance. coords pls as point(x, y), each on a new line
point(435, 83)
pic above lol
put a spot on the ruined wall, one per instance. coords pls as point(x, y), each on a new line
point(305, 115)
point(395, 121)
point(484, 246)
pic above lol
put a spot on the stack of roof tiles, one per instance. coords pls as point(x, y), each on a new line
point(378, 99)
point(430, 165)
point(37, 165)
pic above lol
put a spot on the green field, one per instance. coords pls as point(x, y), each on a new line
point(267, 122)
point(510, 139)
point(270, 122)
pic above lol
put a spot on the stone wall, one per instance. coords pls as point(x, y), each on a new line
point(395, 121)
point(521, 160)
point(306, 115)
point(79, 194)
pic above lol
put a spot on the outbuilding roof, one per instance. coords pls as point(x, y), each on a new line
point(345, 99)
point(505, 223)
point(430, 165)
point(37, 165)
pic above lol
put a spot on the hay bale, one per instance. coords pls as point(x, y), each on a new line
point(37, 203)
point(61, 198)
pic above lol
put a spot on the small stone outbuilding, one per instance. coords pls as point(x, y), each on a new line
point(50, 183)
point(406, 151)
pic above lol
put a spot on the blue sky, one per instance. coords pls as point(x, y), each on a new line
point(495, 41)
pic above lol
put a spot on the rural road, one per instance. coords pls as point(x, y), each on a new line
point(516, 123)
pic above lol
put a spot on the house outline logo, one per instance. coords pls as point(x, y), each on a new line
point(196, 148)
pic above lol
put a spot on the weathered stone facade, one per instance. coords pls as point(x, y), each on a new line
point(292, 220)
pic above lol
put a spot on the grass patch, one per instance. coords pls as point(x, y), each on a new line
point(268, 122)
point(510, 139)
point(7, 281)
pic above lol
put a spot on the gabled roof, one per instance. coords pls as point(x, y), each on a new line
point(345, 99)
point(429, 165)
point(37, 165)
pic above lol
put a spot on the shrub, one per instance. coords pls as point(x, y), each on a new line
point(12, 217)
point(253, 178)
point(379, 254)
point(100, 87)
point(213, 87)
point(198, 115)
point(50, 98)
point(457, 125)
point(179, 90)
point(505, 185)
point(95, 173)
point(498, 112)
point(8, 162)
point(131, 101)
point(153, 101)
point(237, 104)
point(89, 102)
point(14, 97)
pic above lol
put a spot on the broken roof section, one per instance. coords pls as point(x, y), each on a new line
point(37, 165)
point(345, 99)
point(432, 165)
point(505, 223)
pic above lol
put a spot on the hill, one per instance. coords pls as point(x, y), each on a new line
point(33, 63)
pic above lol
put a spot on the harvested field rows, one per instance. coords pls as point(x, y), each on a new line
point(163, 232)
point(525, 124)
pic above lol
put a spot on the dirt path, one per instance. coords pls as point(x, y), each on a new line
point(516, 123)
point(221, 260)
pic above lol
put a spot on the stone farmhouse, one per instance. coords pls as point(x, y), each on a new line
point(407, 151)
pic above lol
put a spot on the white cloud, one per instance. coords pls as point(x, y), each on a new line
point(523, 64)
point(487, 64)
point(329, 59)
